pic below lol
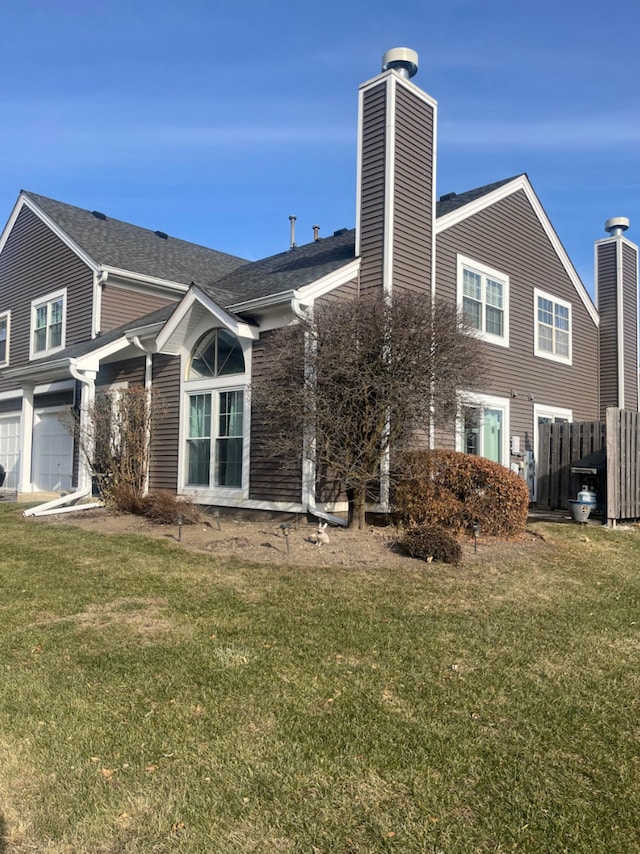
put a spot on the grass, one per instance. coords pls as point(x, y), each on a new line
point(154, 700)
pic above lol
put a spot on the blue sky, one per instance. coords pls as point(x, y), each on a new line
point(214, 121)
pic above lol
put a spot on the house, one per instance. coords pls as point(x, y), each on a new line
point(89, 303)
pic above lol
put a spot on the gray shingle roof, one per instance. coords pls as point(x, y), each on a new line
point(139, 250)
point(285, 271)
point(452, 201)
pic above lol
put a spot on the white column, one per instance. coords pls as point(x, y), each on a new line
point(87, 399)
point(26, 439)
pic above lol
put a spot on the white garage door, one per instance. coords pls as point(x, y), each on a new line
point(52, 452)
point(10, 450)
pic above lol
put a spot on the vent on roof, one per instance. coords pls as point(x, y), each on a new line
point(162, 234)
point(447, 197)
point(99, 215)
point(340, 231)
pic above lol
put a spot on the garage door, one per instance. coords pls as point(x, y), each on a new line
point(52, 452)
point(10, 450)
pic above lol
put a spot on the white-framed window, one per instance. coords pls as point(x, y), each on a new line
point(552, 327)
point(48, 318)
point(5, 329)
point(483, 428)
point(483, 298)
point(216, 422)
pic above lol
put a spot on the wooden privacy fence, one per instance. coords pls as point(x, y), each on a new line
point(609, 450)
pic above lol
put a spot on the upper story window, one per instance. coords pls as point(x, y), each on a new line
point(4, 338)
point(217, 354)
point(48, 316)
point(483, 294)
point(553, 327)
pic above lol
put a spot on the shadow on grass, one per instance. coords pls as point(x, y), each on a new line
point(3, 838)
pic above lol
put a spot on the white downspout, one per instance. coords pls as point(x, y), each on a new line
point(308, 464)
point(88, 382)
point(99, 281)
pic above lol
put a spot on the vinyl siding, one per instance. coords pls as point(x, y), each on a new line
point(630, 302)
point(372, 193)
point(508, 237)
point(270, 479)
point(130, 371)
point(35, 262)
point(120, 305)
point(413, 193)
point(606, 267)
point(163, 469)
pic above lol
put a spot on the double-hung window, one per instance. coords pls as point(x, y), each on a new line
point(552, 327)
point(483, 296)
point(4, 338)
point(47, 324)
point(215, 416)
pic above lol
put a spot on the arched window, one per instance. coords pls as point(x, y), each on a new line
point(215, 412)
point(217, 354)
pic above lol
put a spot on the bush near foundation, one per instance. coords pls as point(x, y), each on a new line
point(429, 542)
point(457, 491)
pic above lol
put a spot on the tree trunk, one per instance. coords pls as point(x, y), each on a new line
point(357, 506)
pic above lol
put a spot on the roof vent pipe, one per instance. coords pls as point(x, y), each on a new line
point(316, 232)
point(617, 225)
point(401, 59)
point(292, 229)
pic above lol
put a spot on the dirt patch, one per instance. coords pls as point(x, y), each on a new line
point(142, 616)
point(265, 541)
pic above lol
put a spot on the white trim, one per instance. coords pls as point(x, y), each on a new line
point(140, 283)
point(488, 401)
point(359, 170)
point(545, 354)
point(25, 201)
point(388, 220)
point(6, 314)
point(182, 287)
point(327, 283)
point(434, 200)
point(43, 388)
point(239, 328)
point(225, 496)
point(38, 302)
point(522, 183)
point(462, 263)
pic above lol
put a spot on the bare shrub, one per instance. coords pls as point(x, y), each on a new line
point(431, 542)
point(458, 491)
point(165, 508)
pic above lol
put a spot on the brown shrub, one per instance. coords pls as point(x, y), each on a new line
point(429, 542)
point(164, 508)
point(458, 491)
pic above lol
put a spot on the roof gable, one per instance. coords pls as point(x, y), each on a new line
point(110, 243)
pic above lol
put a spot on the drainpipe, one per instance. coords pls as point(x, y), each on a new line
point(308, 465)
point(87, 379)
point(99, 281)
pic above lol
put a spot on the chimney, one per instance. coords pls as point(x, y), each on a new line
point(292, 231)
point(616, 275)
point(396, 181)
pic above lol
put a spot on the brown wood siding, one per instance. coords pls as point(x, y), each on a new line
point(130, 371)
point(372, 194)
point(508, 237)
point(630, 303)
point(165, 430)
point(350, 290)
point(120, 305)
point(413, 193)
point(607, 276)
point(269, 478)
point(35, 262)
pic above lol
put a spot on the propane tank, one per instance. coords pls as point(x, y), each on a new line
point(588, 496)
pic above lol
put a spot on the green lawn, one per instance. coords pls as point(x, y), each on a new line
point(153, 700)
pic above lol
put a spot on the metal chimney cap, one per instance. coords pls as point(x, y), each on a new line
point(403, 60)
point(616, 225)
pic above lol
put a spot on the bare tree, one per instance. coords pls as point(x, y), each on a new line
point(363, 379)
point(115, 439)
